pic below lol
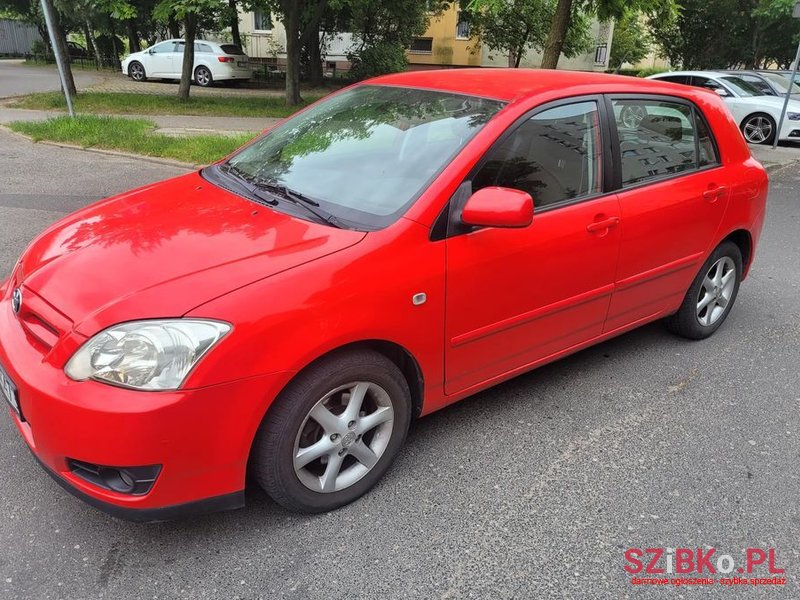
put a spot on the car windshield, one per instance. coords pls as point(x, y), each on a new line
point(366, 154)
point(741, 87)
point(781, 82)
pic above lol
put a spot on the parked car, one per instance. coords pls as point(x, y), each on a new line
point(212, 62)
point(398, 246)
point(757, 115)
point(769, 83)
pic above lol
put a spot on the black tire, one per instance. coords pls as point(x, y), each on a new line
point(687, 321)
point(136, 71)
point(272, 457)
point(203, 77)
point(752, 124)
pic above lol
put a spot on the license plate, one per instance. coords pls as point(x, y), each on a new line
point(9, 391)
point(242, 64)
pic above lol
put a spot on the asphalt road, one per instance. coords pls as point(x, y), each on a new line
point(17, 79)
point(533, 489)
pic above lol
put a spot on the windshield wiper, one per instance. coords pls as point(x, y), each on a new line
point(255, 185)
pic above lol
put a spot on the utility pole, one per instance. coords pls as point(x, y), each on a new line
point(796, 15)
point(49, 17)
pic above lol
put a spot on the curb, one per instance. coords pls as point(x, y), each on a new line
point(152, 159)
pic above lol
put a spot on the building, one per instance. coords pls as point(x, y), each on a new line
point(448, 42)
point(264, 39)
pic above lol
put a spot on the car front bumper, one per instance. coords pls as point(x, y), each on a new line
point(198, 438)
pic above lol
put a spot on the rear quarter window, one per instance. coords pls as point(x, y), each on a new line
point(231, 49)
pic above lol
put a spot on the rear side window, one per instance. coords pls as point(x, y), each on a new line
point(659, 138)
point(231, 49)
point(554, 156)
point(202, 48)
point(684, 79)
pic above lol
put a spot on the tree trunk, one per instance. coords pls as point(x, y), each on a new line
point(133, 36)
point(236, 36)
point(557, 34)
point(190, 29)
point(315, 73)
point(61, 40)
point(291, 22)
point(174, 28)
point(90, 41)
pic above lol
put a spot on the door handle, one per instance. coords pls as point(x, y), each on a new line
point(712, 194)
point(602, 225)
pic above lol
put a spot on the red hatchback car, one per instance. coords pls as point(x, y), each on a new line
point(398, 246)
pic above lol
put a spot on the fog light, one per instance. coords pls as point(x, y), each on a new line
point(135, 481)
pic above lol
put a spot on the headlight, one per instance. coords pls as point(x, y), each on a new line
point(146, 355)
point(793, 116)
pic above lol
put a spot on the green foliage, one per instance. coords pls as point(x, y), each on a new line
point(130, 135)
point(716, 34)
point(515, 27)
point(631, 41)
point(378, 59)
point(148, 104)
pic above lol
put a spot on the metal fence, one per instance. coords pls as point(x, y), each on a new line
point(17, 38)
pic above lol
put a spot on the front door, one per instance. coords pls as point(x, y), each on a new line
point(159, 63)
point(516, 296)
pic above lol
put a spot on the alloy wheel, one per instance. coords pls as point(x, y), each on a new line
point(343, 436)
point(137, 72)
point(716, 291)
point(202, 76)
point(758, 129)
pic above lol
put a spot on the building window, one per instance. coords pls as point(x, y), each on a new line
point(601, 54)
point(462, 27)
point(262, 20)
point(422, 45)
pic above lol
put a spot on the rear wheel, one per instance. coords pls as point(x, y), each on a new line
point(711, 295)
point(333, 432)
point(202, 76)
point(136, 71)
point(759, 128)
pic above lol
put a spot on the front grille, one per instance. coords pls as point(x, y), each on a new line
point(41, 322)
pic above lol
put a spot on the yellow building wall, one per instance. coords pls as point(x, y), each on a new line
point(446, 48)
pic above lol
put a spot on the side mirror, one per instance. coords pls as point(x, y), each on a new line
point(498, 207)
point(151, 51)
point(722, 92)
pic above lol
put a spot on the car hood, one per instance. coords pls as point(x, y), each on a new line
point(165, 249)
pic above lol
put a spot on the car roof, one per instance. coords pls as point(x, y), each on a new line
point(698, 73)
point(513, 84)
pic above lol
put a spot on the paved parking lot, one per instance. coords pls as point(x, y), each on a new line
point(530, 490)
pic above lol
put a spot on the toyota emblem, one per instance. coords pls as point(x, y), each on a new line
point(16, 301)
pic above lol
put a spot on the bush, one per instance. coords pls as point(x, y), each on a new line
point(651, 71)
point(40, 48)
point(389, 57)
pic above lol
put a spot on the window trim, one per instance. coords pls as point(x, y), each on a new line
point(423, 52)
point(256, 29)
point(617, 151)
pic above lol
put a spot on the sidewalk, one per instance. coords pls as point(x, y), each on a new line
point(166, 124)
point(780, 157)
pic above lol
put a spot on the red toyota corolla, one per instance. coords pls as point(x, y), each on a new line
point(390, 250)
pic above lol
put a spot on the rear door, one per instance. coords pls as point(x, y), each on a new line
point(672, 199)
point(516, 296)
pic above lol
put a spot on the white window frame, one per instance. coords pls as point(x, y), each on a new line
point(255, 22)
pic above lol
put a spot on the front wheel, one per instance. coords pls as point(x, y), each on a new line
point(136, 71)
point(759, 128)
point(203, 77)
point(333, 432)
point(711, 295)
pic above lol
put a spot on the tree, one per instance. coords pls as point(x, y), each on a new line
point(516, 26)
point(719, 34)
point(631, 41)
point(189, 12)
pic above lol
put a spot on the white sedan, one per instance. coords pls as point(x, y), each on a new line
point(212, 62)
point(756, 114)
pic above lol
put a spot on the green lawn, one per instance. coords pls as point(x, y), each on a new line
point(127, 103)
point(130, 135)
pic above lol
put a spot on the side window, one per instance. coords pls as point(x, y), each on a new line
point(764, 87)
point(656, 138)
point(705, 82)
point(676, 79)
point(554, 156)
point(163, 47)
point(707, 153)
point(202, 48)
